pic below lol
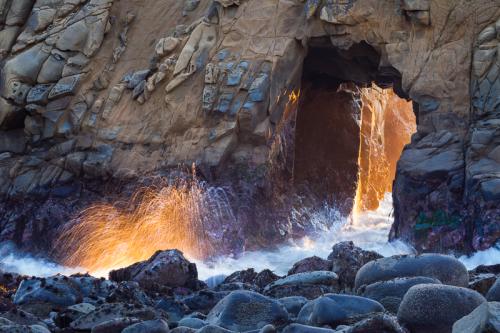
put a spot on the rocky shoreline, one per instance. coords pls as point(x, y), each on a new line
point(352, 291)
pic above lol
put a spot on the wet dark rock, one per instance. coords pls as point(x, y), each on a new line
point(165, 268)
point(264, 278)
point(21, 317)
point(482, 282)
point(175, 309)
point(307, 284)
point(71, 313)
point(390, 293)
point(115, 325)
point(251, 277)
point(298, 328)
point(61, 291)
point(484, 319)
point(347, 259)
point(377, 323)
point(311, 264)
point(112, 311)
point(486, 269)
point(293, 304)
point(204, 300)
point(181, 329)
point(433, 308)
point(129, 292)
point(493, 294)
point(213, 329)
point(23, 329)
point(310, 291)
point(334, 310)
point(444, 268)
point(192, 323)
point(247, 310)
point(236, 286)
point(148, 326)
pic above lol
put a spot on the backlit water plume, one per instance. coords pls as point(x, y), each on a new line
point(387, 124)
point(186, 215)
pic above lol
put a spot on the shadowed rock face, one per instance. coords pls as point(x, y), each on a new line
point(105, 89)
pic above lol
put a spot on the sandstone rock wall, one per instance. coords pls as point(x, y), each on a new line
point(99, 89)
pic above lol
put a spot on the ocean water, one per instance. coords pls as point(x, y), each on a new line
point(370, 232)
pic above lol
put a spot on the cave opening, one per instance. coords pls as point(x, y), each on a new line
point(353, 121)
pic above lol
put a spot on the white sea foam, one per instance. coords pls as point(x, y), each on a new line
point(370, 233)
point(14, 261)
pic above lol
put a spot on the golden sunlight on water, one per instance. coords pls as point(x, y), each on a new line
point(387, 124)
point(105, 237)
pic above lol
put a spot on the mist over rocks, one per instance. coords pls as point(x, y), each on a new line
point(243, 303)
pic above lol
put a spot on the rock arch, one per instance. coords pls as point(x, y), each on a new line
point(227, 69)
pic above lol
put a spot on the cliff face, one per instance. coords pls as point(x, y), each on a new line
point(102, 89)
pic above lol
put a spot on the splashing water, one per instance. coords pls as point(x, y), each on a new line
point(370, 233)
point(14, 261)
point(187, 215)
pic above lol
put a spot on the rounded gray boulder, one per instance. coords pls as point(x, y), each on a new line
point(444, 268)
point(493, 294)
point(390, 293)
point(334, 310)
point(148, 326)
point(244, 310)
point(434, 308)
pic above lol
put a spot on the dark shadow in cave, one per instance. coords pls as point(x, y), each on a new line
point(327, 128)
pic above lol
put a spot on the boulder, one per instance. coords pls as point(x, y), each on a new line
point(23, 329)
point(148, 326)
point(444, 268)
point(249, 276)
point(21, 317)
point(246, 310)
point(204, 300)
point(390, 293)
point(61, 291)
point(482, 282)
point(311, 264)
point(192, 323)
point(293, 304)
point(347, 259)
point(434, 308)
point(110, 311)
point(213, 329)
point(379, 322)
point(175, 309)
point(493, 294)
point(307, 284)
point(484, 319)
point(298, 328)
point(334, 310)
point(115, 325)
point(165, 268)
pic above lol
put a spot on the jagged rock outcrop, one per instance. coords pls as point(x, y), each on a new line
point(99, 89)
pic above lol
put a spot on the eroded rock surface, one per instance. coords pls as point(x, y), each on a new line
point(211, 82)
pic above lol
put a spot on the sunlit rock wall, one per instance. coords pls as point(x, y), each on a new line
point(102, 89)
